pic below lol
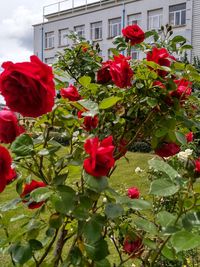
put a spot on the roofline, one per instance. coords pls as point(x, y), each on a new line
point(86, 8)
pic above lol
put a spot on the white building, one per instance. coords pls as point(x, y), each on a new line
point(101, 21)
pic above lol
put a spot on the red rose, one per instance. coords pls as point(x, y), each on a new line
point(183, 89)
point(197, 165)
point(167, 150)
point(121, 71)
point(162, 57)
point(28, 87)
point(90, 122)
point(159, 84)
point(189, 137)
point(71, 93)
point(11, 176)
point(133, 246)
point(9, 127)
point(134, 34)
point(101, 156)
point(103, 75)
point(5, 167)
point(133, 192)
point(25, 195)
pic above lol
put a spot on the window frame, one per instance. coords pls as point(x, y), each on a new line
point(136, 20)
point(49, 39)
point(83, 31)
point(175, 13)
point(92, 31)
point(61, 37)
point(111, 30)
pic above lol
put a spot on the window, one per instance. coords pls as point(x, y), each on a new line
point(155, 18)
point(80, 30)
point(62, 37)
point(135, 19)
point(114, 27)
point(49, 39)
point(96, 30)
point(134, 54)
point(177, 15)
point(49, 60)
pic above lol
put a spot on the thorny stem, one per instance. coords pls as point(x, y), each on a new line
point(60, 243)
point(47, 249)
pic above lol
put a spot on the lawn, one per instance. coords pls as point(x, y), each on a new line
point(123, 178)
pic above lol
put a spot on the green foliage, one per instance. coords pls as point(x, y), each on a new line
point(78, 219)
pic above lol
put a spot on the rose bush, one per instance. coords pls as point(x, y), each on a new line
point(75, 216)
point(28, 87)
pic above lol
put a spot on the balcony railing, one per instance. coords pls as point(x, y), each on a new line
point(69, 5)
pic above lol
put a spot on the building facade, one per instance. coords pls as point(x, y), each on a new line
point(103, 20)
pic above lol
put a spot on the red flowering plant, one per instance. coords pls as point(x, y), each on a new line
point(74, 215)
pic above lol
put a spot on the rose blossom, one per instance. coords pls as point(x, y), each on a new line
point(189, 137)
point(197, 165)
point(11, 176)
point(25, 195)
point(90, 122)
point(5, 167)
point(134, 34)
point(103, 75)
point(9, 127)
point(167, 150)
point(101, 158)
point(133, 192)
point(183, 89)
point(28, 87)
point(133, 246)
point(121, 71)
point(71, 93)
point(161, 57)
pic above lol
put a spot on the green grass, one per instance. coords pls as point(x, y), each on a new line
point(123, 178)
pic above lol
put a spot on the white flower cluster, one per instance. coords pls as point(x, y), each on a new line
point(138, 170)
point(183, 155)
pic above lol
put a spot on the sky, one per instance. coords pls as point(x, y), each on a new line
point(16, 31)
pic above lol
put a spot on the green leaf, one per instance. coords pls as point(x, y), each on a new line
point(161, 132)
point(35, 244)
point(92, 229)
point(168, 253)
point(43, 152)
point(150, 33)
point(181, 138)
point(21, 253)
point(165, 218)
point(163, 188)
point(85, 81)
point(113, 210)
point(191, 220)
point(88, 105)
point(109, 102)
point(65, 200)
point(41, 194)
point(136, 204)
point(97, 251)
point(152, 102)
point(11, 205)
point(23, 145)
point(184, 240)
point(178, 39)
point(55, 221)
point(102, 263)
point(96, 184)
point(162, 166)
point(146, 225)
